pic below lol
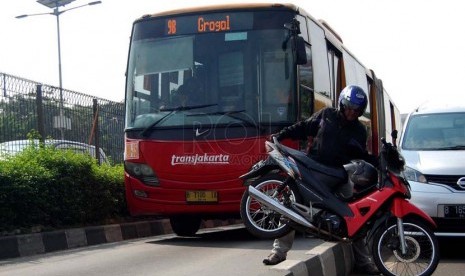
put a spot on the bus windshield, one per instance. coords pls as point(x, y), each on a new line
point(213, 69)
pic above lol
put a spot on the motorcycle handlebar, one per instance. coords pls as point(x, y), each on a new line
point(383, 140)
point(391, 157)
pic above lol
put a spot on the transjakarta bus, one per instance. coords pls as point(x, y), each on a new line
point(207, 86)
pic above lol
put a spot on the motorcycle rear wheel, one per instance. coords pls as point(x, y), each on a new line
point(422, 250)
point(258, 219)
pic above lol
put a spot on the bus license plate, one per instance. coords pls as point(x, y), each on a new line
point(201, 196)
point(454, 211)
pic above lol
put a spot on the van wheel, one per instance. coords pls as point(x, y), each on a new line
point(185, 225)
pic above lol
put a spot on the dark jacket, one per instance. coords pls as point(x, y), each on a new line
point(336, 142)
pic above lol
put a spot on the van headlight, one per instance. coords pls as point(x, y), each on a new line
point(414, 175)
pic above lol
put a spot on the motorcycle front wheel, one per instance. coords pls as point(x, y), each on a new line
point(422, 252)
point(258, 219)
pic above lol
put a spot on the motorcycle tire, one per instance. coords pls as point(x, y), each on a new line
point(422, 250)
point(258, 219)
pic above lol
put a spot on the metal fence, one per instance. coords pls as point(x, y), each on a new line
point(62, 114)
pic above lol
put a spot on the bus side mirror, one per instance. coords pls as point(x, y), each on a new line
point(394, 137)
point(301, 55)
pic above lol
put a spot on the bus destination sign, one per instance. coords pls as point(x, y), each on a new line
point(209, 23)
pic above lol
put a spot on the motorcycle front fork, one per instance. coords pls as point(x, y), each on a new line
point(400, 228)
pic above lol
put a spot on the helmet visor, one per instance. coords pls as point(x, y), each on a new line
point(352, 106)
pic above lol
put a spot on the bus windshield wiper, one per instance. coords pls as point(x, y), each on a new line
point(219, 113)
point(146, 130)
point(189, 107)
point(229, 114)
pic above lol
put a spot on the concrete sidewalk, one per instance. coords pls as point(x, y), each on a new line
point(324, 259)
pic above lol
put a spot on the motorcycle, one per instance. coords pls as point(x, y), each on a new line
point(289, 190)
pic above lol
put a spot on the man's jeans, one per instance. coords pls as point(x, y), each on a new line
point(361, 252)
point(282, 245)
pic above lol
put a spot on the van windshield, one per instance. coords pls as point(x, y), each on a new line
point(445, 131)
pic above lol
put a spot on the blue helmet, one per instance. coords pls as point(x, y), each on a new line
point(353, 97)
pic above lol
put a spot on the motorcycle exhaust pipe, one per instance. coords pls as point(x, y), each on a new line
point(276, 206)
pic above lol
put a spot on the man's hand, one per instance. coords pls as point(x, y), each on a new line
point(309, 143)
point(274, 135)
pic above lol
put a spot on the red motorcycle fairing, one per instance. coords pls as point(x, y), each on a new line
point(402, 207)
point(365, 207)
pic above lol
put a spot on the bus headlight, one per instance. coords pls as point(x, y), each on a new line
point(143, 172)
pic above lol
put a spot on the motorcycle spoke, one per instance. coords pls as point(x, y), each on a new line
point(273, 224)
point(260, 215)
point(265, 219)
point(419, 253)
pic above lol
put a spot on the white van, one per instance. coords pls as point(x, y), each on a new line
point(433, 145)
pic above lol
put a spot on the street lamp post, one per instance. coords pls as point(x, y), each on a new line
point(55, 5)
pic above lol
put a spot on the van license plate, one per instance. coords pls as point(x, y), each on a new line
point(454, 211)
point(201, 196)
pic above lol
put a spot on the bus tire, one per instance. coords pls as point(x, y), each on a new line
point(185, 225)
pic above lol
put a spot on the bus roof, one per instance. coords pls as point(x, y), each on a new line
point(330, 33)
point(239, 6)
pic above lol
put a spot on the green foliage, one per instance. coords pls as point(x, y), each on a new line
point(49, 188)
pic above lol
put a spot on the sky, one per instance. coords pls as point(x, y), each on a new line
point(414, 46)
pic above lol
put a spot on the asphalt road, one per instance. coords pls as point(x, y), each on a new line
point(452, 257)
point(225, 251)
point(230, 252)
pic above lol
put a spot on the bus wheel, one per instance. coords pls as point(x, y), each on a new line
point(185, 225)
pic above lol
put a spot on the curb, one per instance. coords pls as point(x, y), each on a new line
point(39, 243)
point(323, 260)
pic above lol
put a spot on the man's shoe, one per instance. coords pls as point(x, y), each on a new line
point(273, 259)
point(369, 269)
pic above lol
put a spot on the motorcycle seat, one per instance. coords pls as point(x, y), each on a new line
point(301, 157)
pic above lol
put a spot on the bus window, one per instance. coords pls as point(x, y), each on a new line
point(322, 84)
point(303, 27)
point(276, 87)
point(231, 81)
point(356, 74)
point(307, 98)
point(335, 68)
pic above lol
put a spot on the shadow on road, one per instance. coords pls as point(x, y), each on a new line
point(212, 239)
point(449, 246)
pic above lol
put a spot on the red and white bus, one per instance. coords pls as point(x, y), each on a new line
point(206, 86)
